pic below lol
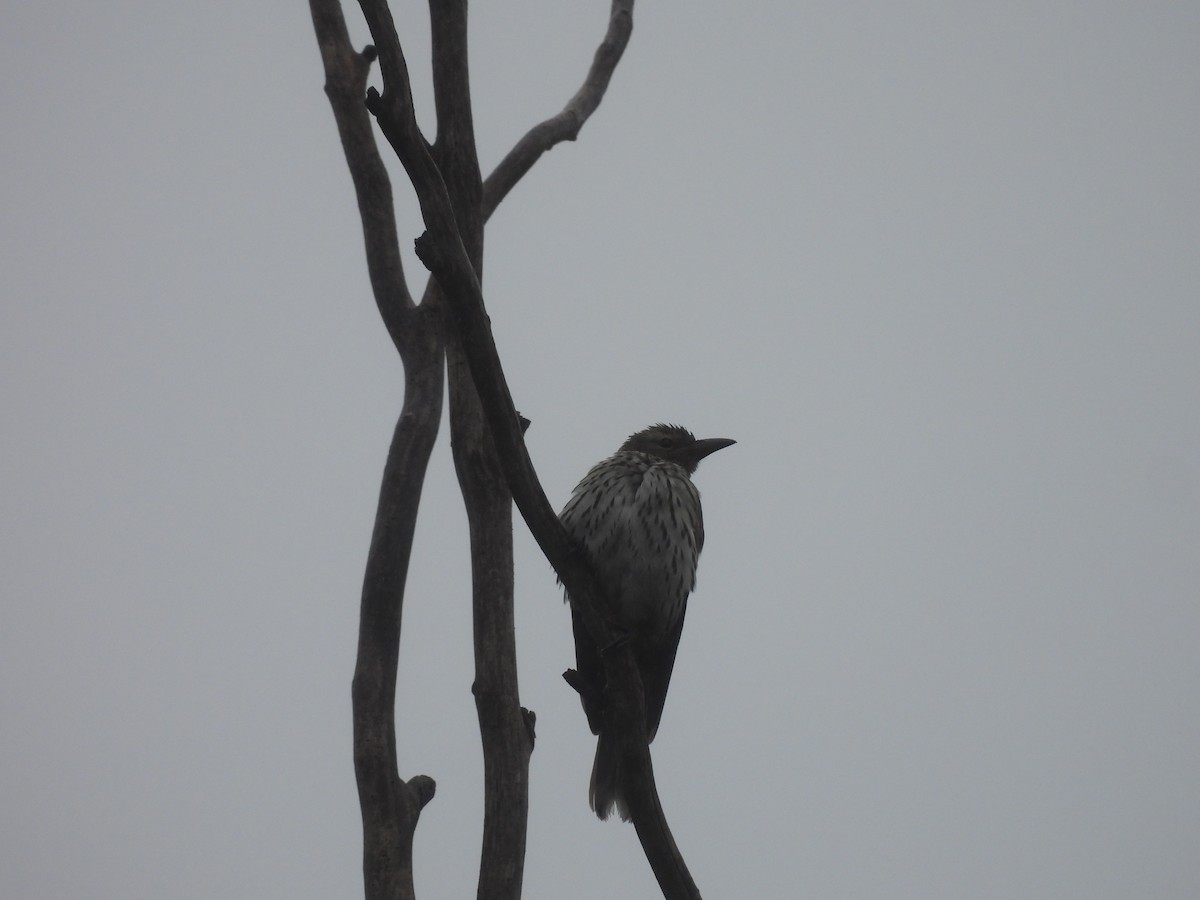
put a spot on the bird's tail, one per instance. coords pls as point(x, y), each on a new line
point(607, 789)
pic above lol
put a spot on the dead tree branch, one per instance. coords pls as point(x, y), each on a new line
point(390, 806)
point(455, 203)
point(506, 729)
point(443, 250)
point(564, 126)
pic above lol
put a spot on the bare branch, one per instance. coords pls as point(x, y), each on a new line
point(345, 84)
point(390, 806)
point(391, 58)
point(454, 206)
point(566, 125)
point(505, 728)
point(442, 250)
point(454, 148)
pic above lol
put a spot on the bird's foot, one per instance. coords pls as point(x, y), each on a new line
point(591, 694)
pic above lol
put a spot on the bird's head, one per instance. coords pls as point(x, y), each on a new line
point(674, 444)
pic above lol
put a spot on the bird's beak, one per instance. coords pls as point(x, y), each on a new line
point(706, 446)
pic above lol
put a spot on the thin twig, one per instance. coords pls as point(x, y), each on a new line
point(565, 125)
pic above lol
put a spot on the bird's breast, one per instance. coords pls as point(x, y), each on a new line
point(640, 523)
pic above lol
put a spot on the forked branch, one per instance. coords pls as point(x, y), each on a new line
point(390, 805)
point(442, 250)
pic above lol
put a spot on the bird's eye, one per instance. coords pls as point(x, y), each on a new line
point(666, 443)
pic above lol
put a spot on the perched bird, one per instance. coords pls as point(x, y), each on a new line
point(637, 516)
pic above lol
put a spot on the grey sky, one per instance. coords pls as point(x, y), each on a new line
point(933, 265)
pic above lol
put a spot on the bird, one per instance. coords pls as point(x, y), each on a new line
point(636, 515)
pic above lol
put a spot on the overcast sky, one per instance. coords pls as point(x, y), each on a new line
point(933, 265)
